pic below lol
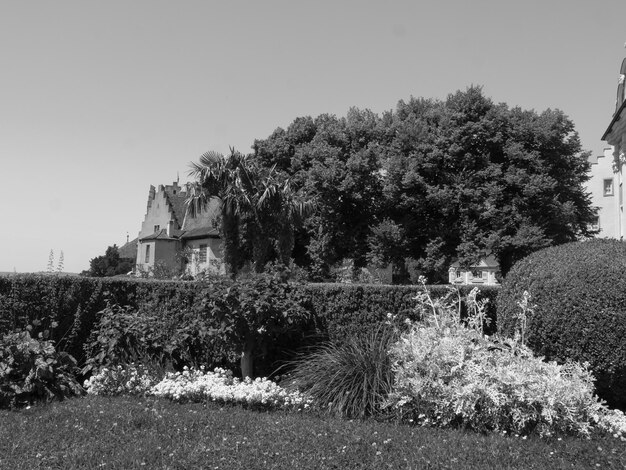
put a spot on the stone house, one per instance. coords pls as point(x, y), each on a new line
point(170, 239)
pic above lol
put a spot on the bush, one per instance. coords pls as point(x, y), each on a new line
point(350, 378)
point(32, 370)
point(578, 291)
point(251, 317)
point(449, 374)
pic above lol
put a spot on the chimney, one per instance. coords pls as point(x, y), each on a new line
point(170, 227)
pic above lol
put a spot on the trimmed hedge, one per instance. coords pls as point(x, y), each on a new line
point(579, 290)
point(346, 309)
point(76, 304)
point(73, 302)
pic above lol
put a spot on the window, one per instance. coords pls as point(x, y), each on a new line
point(157, 228)
point(608, 187)
point(477, 274)
point(202, 258)
point(147, 259)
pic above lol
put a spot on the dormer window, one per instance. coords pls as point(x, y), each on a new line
point(157, 228)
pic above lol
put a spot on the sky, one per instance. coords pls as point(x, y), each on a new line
point(101, 99)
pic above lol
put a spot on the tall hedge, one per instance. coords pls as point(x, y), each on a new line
point(351, 308)
point(76, 303)
point(73, 302)
point(579, 293)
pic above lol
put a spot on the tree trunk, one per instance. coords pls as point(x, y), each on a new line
point(247, 359)
point(230, 229)
point(261, 250)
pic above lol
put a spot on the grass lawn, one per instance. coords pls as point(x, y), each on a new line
point(129, 433)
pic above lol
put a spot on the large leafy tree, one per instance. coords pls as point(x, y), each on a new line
point(433, 181)
point(335, 161)
point(110, 264)
point(468, 177)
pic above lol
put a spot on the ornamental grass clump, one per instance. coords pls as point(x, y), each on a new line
point(448, 373)
point(350, 377)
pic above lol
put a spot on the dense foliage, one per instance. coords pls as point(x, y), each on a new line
point(109, 264)
point(578, 291)
point(73, 303)
point(230, 320)
point(177, 319)
point(444, 372)
point(32, 370)
point(448, 375)
point(347, 309)
point(432, 181)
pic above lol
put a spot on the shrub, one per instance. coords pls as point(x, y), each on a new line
point(158, 337)
point(578, 291)
point(227, 322)
point(449, 374)
point(351, 377)
point(32, 370)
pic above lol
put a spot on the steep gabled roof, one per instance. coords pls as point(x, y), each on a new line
point(128, 250)
point(488, 261)
point(177, 206)
point(202, 232)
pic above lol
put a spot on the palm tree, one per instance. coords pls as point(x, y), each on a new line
point(249, 191)
point(282, 209)
point(229, 179)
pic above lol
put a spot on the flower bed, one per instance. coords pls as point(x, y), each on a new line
point(196, 385)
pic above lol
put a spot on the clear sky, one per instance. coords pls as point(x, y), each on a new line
point(101, 99)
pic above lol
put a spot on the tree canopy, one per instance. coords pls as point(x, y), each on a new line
point(110, 264)
point(433, 181)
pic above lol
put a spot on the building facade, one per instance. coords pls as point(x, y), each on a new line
point(604, 187)
point(485, 273)
point(615, 136)
point(169, 239)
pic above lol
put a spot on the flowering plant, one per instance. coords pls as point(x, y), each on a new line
point(447, 373)
point(117, 380)
point(195, 385)
point(221, 386)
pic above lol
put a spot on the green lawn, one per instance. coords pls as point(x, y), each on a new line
point(129, 433)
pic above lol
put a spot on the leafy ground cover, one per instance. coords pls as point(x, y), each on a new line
point(127, 432)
